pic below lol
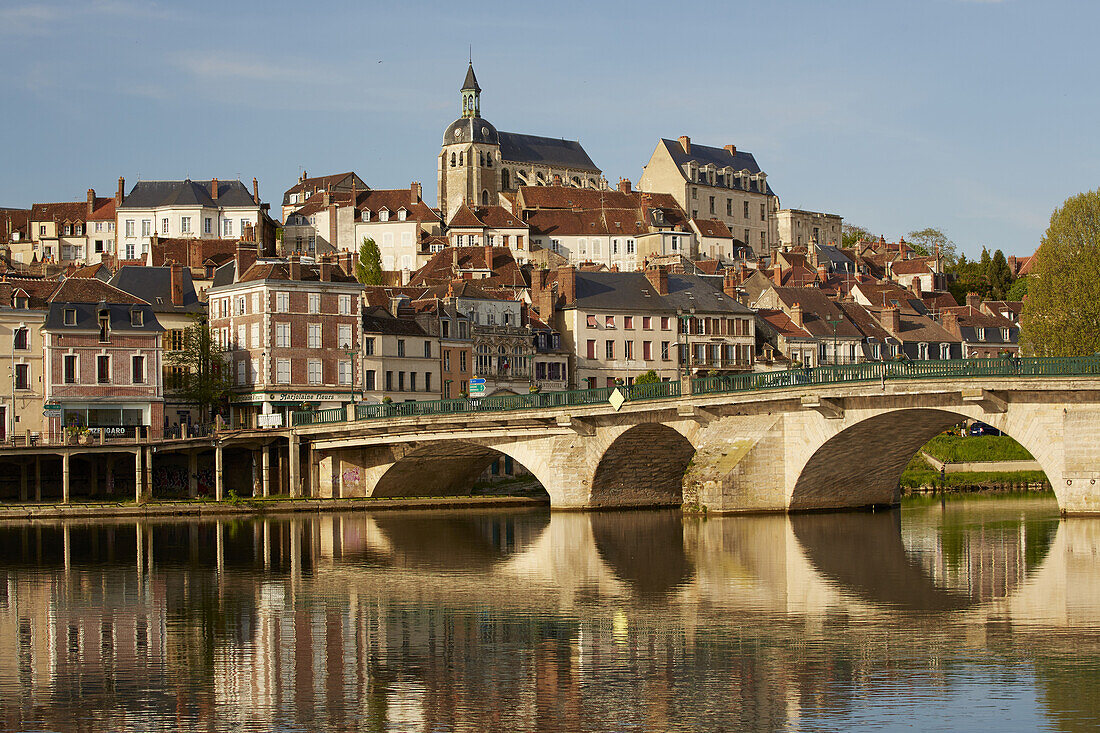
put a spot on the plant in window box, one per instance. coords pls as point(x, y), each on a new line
point(387, 400)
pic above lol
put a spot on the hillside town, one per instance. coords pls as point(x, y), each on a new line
point(531, 272)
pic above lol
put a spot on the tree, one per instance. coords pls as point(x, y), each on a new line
point(1061, 315)
point(368, 268)
point(925, 241)
point(1019, 288)
point(204, 372)
point(999, 276)
point(851, 234)
point(649, 377)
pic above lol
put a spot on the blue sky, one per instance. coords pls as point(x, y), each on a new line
point(975, 116)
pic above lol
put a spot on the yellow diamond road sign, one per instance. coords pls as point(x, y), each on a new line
point(616, 399)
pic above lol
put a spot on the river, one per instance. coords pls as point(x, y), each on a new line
point(967, 615)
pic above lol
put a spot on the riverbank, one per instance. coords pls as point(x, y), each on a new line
point(250, 506)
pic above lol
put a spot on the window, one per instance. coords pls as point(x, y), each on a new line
point(314, 368)
point(628, 321)
point(313, 336)
point(591, 349)
point(103, 369)
point(345, 305)
point(368, 346)
point(146, 227)
point(401, 381)
point(242, 305)
point(447, 360)
point(256, 302)
point(763, 213)
point(412, 381)
point(129, 228)
point(164, 226)
point(98, 246)
point(647, 323)
point(746, 208)
point(427, 349)
point(282, 335)
point(22, 376)
point(609, 321)
point(729, 207)
point(282, 371)
point(20, 339)
point(131, 252)
point(592, 322)
point(227, 227)
point(255, 335)
point(664, 351)
point(104, 327)
point(462, 362)
point(343, 372)
point(282, 302)
point(185, 225)
point(208, 225)
point(427, 381)
point(69, 368)
point(137, 318)
point(694, 192)
point(665, 323)
point(630, 246)
point(242, 372)
point(368, 380)
point(629, 350)
point(343, 336)
point(945, 351)
point(314, 302)
point(609, 349)
point(242, 336)
point(712, 204)
point(647, 350)
point(400, 347)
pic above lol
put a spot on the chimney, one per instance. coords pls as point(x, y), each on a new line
point(624, 185)
point(658, 277)
point(567, 284)
point(91, 201)
point(120, 194)
point(777, 274)
point(914, 285)
point(246, 255)
point(729, 284)
point(214, 189)
point(406, 276)
point(685, 143)
point(950, 322)
point(326, 270)
point(295, 267)
point(974, 301)
point(891, 319)
point(557, 179)
point(454, 258)
point(731, 149)
point(488, 257)
point(822, 273)
point(255, 190)
point(177, 284)
point(796, 314)
point(417, 192)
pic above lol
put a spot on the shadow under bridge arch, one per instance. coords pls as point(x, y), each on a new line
point(453, 468)
point(861, 465)
point(643, 466)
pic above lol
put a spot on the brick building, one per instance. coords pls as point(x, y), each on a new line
point(291, 333)
point(102, 348)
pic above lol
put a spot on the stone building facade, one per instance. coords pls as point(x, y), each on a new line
point(797, 228)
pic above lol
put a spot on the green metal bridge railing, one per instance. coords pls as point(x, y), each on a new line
point(761, 381)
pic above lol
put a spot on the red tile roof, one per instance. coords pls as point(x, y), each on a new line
point(713, 228)
point(92, 290)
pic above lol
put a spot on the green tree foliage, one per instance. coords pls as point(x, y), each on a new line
point(925, 241)
point(205, 373)
point(649, 377)
point(1019, 288)
point(989, 276)
point(368, 268)
point(851, 234)
point(1062, 313)
point(999, 276)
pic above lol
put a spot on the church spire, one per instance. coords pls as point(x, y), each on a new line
point(471, 94)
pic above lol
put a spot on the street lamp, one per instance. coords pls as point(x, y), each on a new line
point(834, 324)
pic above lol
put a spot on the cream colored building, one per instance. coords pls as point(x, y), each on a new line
point(401, 358)
point(23, 305)
point(725, 184)
point(797, 228)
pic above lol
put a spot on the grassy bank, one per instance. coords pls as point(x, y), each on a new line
point(956, 449)
point(918, 475)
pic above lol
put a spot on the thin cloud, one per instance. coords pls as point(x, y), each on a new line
point(35, 19)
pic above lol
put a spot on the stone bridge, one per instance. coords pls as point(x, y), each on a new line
point(797, 448)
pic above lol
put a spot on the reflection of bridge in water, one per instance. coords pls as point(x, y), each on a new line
point(322, 609)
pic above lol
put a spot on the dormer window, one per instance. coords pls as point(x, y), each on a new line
point(137, 318)
point(70, 316)
point(365, 216)
point(104, 326)
point(384, 215)
point(401, 213)
point(21, 300)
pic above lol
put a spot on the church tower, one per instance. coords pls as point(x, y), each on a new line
point(469, 163)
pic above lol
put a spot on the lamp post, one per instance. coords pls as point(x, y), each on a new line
point(834, 324)
point(682, 320)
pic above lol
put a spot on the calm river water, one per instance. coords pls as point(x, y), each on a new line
point(973, 615)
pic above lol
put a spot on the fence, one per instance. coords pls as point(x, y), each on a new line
point(822, 375)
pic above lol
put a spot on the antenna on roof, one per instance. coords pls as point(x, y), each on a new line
point(471, 54)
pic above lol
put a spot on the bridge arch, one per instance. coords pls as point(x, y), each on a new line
point(450, 467)
point(643, 465)
point(861, 464)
